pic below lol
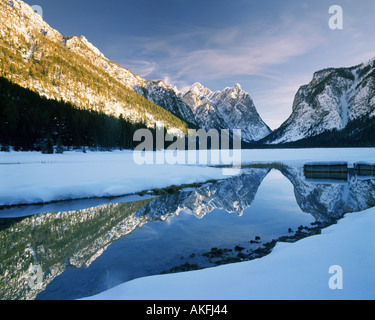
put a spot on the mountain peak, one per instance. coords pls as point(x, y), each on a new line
point(232, 91)
point(231, 108)
point(197, 85)
point(198, 89)
point(91, 46)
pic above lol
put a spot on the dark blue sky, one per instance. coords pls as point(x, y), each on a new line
point(270, 47)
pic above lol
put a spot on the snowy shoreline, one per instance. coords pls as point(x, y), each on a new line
point(292, 271)
point(35, 178)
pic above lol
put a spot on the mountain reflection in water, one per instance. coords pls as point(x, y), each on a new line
point(83, 252)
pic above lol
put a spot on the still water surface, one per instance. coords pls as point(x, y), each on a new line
point(85, 251)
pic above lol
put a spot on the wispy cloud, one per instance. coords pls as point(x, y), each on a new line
point(205, 54)
point(143, 67)
point(247, 57)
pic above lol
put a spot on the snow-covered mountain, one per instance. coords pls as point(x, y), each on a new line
point(70, 68)
point(165, 96)
point(333, 99)
point(231, 108)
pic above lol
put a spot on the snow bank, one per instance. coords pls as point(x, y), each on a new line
point(36, 178)
point(291, 271)
point(301, 156)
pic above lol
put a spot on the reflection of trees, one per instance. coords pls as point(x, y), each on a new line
point(56, 240)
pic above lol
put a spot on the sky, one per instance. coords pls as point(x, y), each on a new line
point(270, 47)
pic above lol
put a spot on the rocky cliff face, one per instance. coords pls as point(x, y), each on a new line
point(333, 98)
point(231, 108)
point(165, 96)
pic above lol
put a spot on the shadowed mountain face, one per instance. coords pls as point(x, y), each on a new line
point(59, 241)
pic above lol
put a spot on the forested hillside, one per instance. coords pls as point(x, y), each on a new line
point(36, 56)
point(31, 122)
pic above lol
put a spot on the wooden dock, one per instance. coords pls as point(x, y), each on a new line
point(364, 169)
point(329, 170)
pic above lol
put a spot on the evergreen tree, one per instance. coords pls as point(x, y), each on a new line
point(59, 146)
point(47, 147)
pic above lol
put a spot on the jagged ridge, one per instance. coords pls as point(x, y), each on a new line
point(231, 108)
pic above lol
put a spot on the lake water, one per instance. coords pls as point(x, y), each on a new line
point(83, 248)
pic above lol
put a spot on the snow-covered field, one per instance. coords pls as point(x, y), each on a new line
point(337, 264)
point(32, 177)
point(37, 178)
